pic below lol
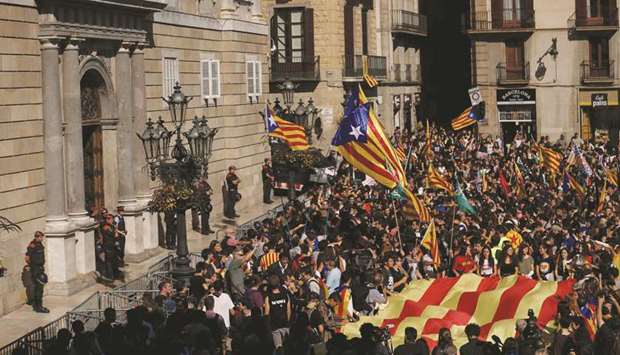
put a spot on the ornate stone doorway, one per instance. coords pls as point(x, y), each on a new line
point(92, 87)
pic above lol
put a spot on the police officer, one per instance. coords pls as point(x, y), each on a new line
point(206, 208)
point(267, 174)
point(231, 192)
point(35, 260)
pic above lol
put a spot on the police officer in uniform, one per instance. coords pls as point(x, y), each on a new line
point(231, 192)
point(35, 260)
point(206, 209)
point(267, 174)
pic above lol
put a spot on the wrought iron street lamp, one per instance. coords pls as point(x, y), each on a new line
point(181, 168)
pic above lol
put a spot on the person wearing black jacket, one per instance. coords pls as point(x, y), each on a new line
point(35, 258)
point(474, 346)
point(412, 345)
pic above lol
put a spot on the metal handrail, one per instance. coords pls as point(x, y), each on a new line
point(507, 75)
point(577, 19)
point(507, 19)
point(303, 68)
point(594, 72)
point(403, 20)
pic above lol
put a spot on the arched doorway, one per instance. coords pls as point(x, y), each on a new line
point(93, 88)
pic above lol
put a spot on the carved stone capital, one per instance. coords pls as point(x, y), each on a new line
point(50, 43)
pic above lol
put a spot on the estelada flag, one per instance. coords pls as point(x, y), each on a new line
point(357, 140)
point(494, 303)
point(294, 135)
point(470, 116)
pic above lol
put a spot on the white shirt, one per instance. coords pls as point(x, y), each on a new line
point(223, 305)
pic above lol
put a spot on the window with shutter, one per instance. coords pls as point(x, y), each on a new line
point(170, 75)
point(253, 72)
point(257, 78)
point(250, 73)
point(210, 75)
point(215, 78)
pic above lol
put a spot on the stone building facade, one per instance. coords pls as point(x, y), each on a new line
point(322, 46)
point(545, 67)
point(78, 80)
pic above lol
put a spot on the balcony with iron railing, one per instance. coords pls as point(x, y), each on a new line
point(513, 75)
point(409, 22)
point(581, 21)
point(297, 69)
point(597, 73)
point(406, 73)
point(354, 66)
point(513, 21)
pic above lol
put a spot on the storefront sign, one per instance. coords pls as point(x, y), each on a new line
point(599, 99)
point(474, 96)
point(516, 97)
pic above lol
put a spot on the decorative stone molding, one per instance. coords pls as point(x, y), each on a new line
point(109, 19)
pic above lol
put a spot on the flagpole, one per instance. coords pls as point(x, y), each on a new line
point(450, 254)
point(400, 242)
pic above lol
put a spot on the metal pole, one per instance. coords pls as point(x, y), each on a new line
point(450, 254)
point(182, 271)
point(400, 242)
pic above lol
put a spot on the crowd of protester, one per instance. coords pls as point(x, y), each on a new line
point(280, 287)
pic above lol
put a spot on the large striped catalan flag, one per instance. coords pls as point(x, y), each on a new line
point(437, 181)
point(494, 303)
point(294, 135)
point(469, 117)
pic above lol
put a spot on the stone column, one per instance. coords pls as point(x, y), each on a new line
point(228, 8)
point(257, 11)
point(57, 221)
point(126, 135)
point(134, 245)
point(61, 260)
point(141, 172)
point(83, 245)
point(73, 132)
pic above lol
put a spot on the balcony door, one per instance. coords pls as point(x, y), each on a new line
point(512, 13)
point(599, 57)
point(515, 60)
point(292, 35)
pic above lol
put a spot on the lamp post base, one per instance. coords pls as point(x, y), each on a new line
point(182, 271)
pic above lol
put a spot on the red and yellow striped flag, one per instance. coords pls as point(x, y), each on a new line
point(551, 159)
point(602, 197)
point(464, 120)
point(437, 181)
point(575, 185)
point(612, 177)
point(415, 207)
point(431, 243)
point(400, 153)
point(294, 135)
point(370, 80)
point(494, 303)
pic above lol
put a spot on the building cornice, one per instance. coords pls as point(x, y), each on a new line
point(209, 23)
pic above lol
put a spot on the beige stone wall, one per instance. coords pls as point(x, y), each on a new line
point(22, 181)
point(240, 140)
point(241, 137)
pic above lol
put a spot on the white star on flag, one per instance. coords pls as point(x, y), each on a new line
point(356, 132)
